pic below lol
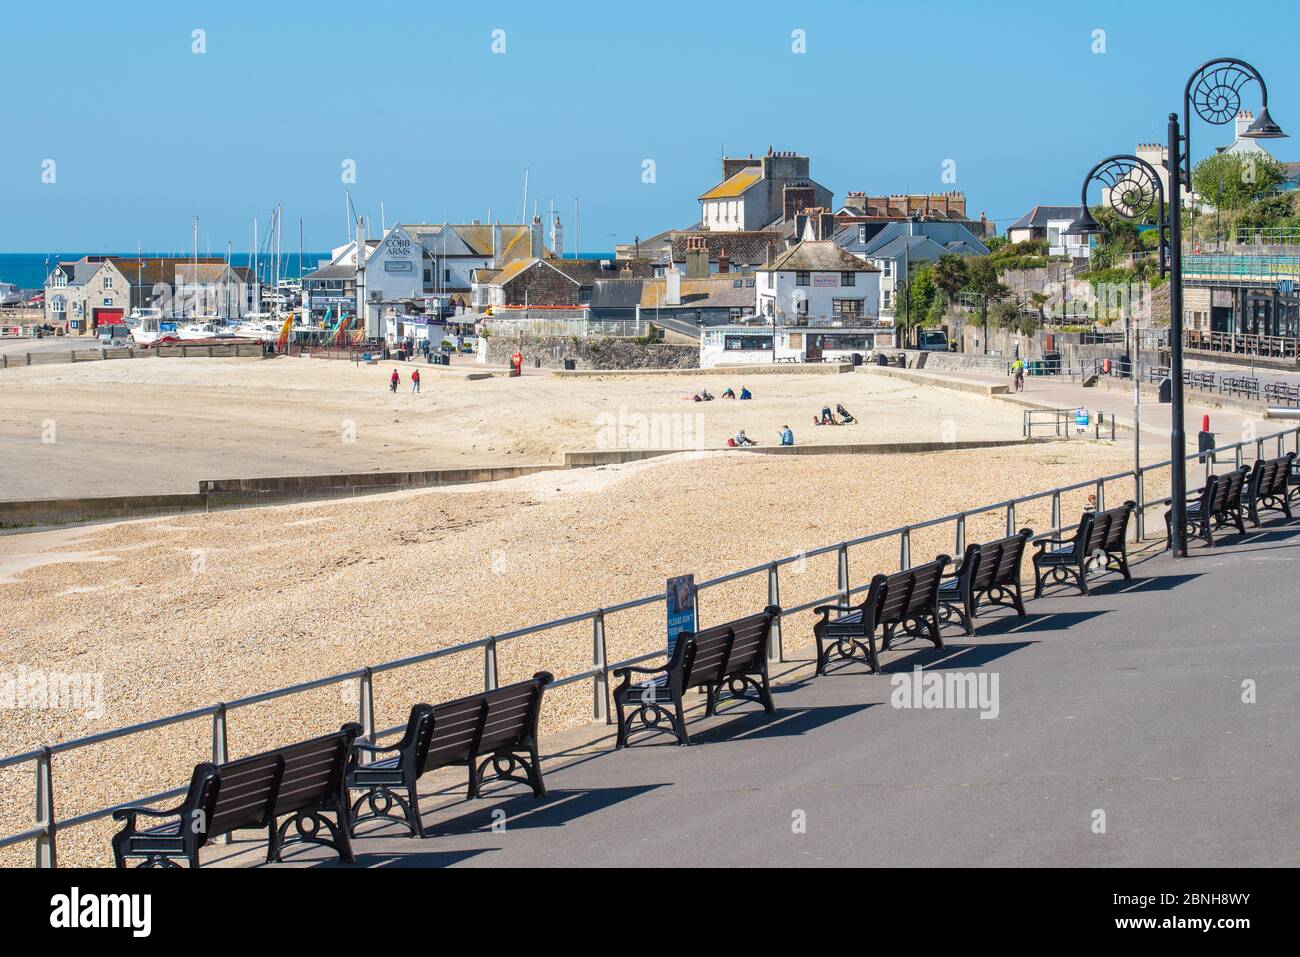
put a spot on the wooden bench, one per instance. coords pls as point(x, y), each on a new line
point(989, 572)
point(733, 654)
point(906, 600)
point(499, 727)
point(1216, 504)
point(1100, 538)
point(302, 780)
point(1268, 487)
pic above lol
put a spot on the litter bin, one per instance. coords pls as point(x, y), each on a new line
point(1166, 390)
point(857, 358)
point(1051, 363)
point(882, 359)
point(570, 364)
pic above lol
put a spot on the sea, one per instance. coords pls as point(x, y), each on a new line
point(27, 271)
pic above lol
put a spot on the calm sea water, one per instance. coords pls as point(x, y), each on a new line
point(28, 270)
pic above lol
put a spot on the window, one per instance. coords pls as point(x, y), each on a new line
point(887, 265)
point(60, 280)
point(108, 282)
point(887, 299)
point(747, 343)
point(846, 308)
point(802, 279)
point(446, 276)
point(735, 313)
point(584, 294)
point(847, 278)
point(862, 234)
point(59, 304)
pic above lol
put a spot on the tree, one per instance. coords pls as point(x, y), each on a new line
point(1233, 181)
point(949, 274)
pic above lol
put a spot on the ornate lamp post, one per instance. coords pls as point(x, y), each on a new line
point(1214, 91)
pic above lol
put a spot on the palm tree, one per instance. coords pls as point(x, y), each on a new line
point(948, 276)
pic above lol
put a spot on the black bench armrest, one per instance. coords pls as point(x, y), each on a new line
point(825, 610)
point(375, 748)
point(128, 814)
point(627, 670)
point(1042, 543)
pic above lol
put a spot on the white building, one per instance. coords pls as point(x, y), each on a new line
point(816, 281)
point(736, 345)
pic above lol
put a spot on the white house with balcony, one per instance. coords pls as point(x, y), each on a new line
point(818, 281)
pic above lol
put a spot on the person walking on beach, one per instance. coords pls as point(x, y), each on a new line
point(415, 381)
point(393, 382)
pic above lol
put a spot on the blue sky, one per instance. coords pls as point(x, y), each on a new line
point(147, 134)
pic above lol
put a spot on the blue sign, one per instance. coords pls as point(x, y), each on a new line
point(1081, 419)
point(681, 608)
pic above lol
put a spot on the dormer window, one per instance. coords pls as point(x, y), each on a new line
point(60, 279)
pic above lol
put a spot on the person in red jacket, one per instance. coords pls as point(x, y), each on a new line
point(415, 381)
point(392, 382)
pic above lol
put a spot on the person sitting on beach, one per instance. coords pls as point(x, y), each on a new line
point(393, 382)
point(844, 414)
point(828, 418)
point(745, 394)
point(730, 393)
point(705, 396)
point(787, 437)
point(742, 439)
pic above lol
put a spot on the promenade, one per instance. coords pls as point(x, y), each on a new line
point(1127, 703)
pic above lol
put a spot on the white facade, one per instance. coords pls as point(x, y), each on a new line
point(737, 345)
point(845, 297)
point(1063, 243)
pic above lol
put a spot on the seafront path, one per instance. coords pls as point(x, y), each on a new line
point(1152, 723)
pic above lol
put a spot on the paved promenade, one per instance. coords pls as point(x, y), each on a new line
point(1127, 703)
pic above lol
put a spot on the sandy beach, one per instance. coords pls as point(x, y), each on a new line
point(146, 426)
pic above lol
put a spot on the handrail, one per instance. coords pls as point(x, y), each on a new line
point(45, 829)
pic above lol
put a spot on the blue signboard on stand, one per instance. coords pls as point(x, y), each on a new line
point(681, 607)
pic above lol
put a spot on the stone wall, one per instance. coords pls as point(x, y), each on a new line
point(591, 353)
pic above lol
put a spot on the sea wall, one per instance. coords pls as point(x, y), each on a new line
point(590, 353)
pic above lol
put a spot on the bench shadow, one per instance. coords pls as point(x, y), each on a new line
point(1154, 583)
point(953, 656)
point(1034, 622)
point(419, 857)
point(786, 723)
point(518, 811)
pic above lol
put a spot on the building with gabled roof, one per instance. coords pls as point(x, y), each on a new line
point(816, 280)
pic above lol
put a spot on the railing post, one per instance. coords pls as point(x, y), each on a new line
point(220, 749)
point(775, 649)
point(961, 535)
point(1236, 456)
point(1011, 519)
point(366, 704)
point(842, 575)
point(1259, 449)
point(1139, 493)
point(600, 680)
point(45, 845)
point(1056, 511)
point(1101, 496)
point(490, 664)
point(905, 549)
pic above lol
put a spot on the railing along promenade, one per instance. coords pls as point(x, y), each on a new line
point(46, 825)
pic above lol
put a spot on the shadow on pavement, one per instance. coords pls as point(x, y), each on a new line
point(787, 722)
point(1154, 583)
point(1032, 623)
point(953, 656)
point(558, 808)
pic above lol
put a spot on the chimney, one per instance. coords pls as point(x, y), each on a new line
point(672, 287)
point(724, 264)
point(536, 248)
point(770, 258)
point(1244, 119)
point(498, 248)
point(697, 258)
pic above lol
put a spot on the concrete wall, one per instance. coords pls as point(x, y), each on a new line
point(591, 353)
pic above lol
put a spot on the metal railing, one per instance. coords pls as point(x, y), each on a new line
point(46, 825)
point(1277, 347)
point(1063, 423)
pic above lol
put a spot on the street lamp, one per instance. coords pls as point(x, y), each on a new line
point(1214, 91)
